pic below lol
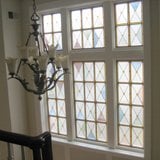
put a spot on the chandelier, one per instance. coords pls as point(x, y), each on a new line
point(43, 65)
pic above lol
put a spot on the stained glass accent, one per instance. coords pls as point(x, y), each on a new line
point(87, 39)
point(90, 100)
point(87, 28)
point(130, 103)
point(129, 24)
point(52, 28)
point(58, 40)
point(77, 40)
point(98, 38)
point(98, 17)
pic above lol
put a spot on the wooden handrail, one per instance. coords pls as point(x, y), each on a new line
point(40, 145)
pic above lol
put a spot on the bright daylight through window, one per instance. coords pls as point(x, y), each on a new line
point(96, 75)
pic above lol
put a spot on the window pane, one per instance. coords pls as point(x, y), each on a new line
point(124, 135)
point(48, 39)
point(77, 40)
point(57, 22)
point(135, 11)
point(122, 36)
point(124, 114)
point(136, 35)
point(53, 125)
point(62, 126)
point(47, 23)
point(86, 18)
point(123, 72)
point(98, 38)
point(87, 39)
point(98, 17)
point(58, 40)
point(121, 13)
point(90, 100)
point(76, 19)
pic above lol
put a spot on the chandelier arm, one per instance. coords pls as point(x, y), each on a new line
point(29, 36)
point(31, 66)
point(25, 86)
point(55, 82)
point(19, 65)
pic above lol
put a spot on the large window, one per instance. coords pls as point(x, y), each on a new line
point(102, 100)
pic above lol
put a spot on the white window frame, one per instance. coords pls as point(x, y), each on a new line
point(118, 54)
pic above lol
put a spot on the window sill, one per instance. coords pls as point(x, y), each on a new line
point(100, 149)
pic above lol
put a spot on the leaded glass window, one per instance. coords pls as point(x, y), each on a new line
point(52, 29)
point(129, 24)
point(87, 28)
point(130, 103)
point(90, 100)
point(57, 107)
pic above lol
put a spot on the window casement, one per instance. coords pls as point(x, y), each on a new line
point(97, 75)
point(87, 28)
point(129, 24)
point(52, 29)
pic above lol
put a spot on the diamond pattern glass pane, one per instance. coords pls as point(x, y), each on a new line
point(47, 23)
point(90, 111)
point(137, 72)
point(77, 40)
point(135, 11)
point(53, 125)
point(124, 114)
point(98, 17)
point(123, 96)
point(136, 34)
point(101, 112)
point(101, 132)
point(80, 113)
point(78, 71)
point(79, 91)
point(138, 140)
point(122, 36)
point(100, 71)
point(89, 71)
point(98, 38)
point(87, 39)
point(76, 19)
point(124, 135)
point(86, 18)
point(121, 13)
point(123, 72)
point(60, 90)
point(57, 22)
point(62, 126)
point(90, 100)
point(91, 131)
point(100, 92)
point(52, 107)
point(81, 130)
point(48, 39)
point(89, 91)
point(61, 108)
point(137, 116)
point(58, 40)
point(137, 94)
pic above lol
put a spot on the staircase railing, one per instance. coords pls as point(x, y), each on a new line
point(40, 145)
